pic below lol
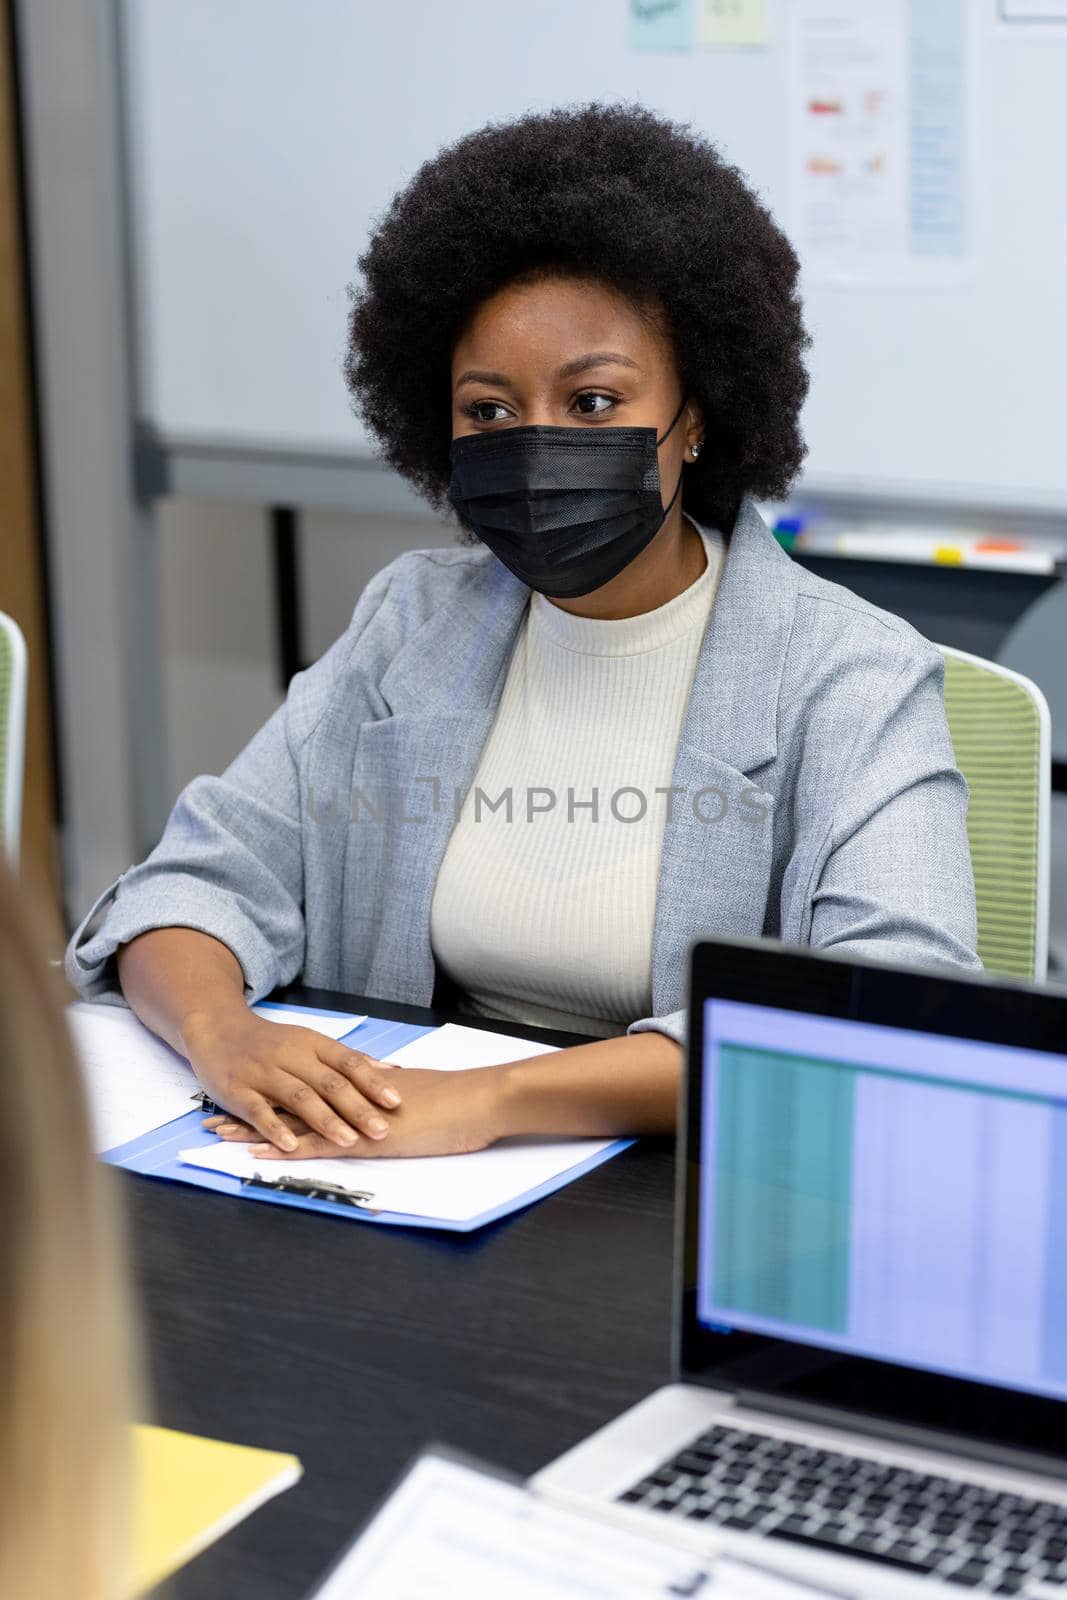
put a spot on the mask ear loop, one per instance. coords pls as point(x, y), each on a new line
point(674, 419)
point(678, 486)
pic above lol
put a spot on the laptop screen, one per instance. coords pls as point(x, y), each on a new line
point(885, 1193)
point(875, 1193)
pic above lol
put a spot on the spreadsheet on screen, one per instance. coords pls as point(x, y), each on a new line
point(886, 1193)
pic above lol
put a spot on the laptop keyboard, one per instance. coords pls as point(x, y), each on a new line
point(827, 1500)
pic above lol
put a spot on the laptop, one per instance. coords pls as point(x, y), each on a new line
point(871, 1283)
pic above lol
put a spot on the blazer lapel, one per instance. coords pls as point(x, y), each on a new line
point(716, 860)
point(443, 687)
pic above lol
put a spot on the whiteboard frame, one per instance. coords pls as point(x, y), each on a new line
point(322, 476)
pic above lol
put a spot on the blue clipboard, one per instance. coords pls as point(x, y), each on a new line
point(155, 1155)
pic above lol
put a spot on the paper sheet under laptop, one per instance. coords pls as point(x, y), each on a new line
point(451, 1529)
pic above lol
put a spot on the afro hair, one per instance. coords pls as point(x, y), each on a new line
point(609, 192)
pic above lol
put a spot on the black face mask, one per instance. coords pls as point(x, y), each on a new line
point(564, 508)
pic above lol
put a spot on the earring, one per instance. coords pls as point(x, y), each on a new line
point(695, 449)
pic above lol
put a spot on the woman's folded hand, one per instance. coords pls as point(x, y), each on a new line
point(441, 1113)
point(273, 1077)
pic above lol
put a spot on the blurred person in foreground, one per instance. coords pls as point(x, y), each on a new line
point(64, 1322)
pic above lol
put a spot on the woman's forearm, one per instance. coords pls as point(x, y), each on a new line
point(610, 1086)
point(176, 978)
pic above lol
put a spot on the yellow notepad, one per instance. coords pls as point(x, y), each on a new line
point(191, 1491)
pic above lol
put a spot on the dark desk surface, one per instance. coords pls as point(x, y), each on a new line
point(354, 1346)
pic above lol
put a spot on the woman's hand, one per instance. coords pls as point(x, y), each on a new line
point(250, 1066)
point(443, 1114)
point(592, 1091)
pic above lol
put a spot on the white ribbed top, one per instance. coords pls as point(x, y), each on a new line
point(546, 918)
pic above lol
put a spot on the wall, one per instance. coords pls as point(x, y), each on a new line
point(22, 577)
point(221, 675)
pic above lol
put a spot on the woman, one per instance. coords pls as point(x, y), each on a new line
point(616, 717)
point(63, 1344)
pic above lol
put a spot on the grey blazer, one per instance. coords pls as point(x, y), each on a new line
point(817, 798)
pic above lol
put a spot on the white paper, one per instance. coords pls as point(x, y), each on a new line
point(332, 1025)
point(133, 1080)
point(453, 1047)
point(452, 1530)
point(447, 1188)
point(880, 107)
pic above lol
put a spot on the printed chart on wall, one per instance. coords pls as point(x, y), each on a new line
point(881, 136)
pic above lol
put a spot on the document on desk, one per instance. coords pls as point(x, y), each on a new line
point(147, 1119)
point(134, 1082)
point(453, 1189)
point(453, 1529)
point(450, 1189)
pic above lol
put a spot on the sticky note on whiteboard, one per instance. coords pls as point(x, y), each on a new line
point(733, 22)
point(662, 24)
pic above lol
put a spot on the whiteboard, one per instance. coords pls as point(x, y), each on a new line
point(265, 136)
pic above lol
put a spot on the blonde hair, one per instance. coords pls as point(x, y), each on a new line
point(64, 1325)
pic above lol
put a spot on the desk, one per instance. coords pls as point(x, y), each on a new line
point(970, 608)
point(354, 1346)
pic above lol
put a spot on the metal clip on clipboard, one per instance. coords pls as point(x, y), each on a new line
point(314, 1190)
point(311, 1188)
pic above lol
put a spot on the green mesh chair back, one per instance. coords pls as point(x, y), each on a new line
point(1000, 727)
point(12, 734)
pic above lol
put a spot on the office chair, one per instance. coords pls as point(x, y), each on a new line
point(12, 734)
point(1001, 733)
